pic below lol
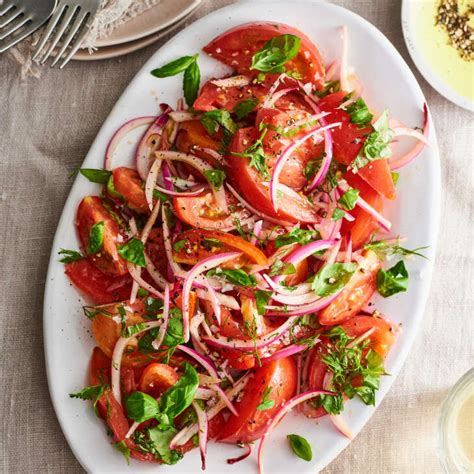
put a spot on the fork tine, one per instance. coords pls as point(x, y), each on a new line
point(78, 25)
point(49, 29)
point(7, 5)
point(13, 40)
point(9, 18)
point(12, 28)
point(66, 20)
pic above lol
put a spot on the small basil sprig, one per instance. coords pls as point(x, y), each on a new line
point(256, 154)
point(266, 402)
point(133, 251)
point(96, 175)
point(348, 199)
point(244, 108)
point(69, 256)
point(236, 277)
point(276, 53)
point(392, 281)
point(300, 447)
point(359, 112)
point(332, 278)
point(297, 236)
point(142, 407)
point(262, 298)
point(215, 177)
point(191, 78)
point(96, 237)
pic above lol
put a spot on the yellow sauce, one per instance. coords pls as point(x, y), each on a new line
point(464, 427)
point(434, 45)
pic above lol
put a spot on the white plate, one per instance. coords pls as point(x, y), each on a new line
point(68, 343)
point(156, 18)
point(428, 72)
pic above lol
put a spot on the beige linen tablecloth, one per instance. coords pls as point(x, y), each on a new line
point(46, 128)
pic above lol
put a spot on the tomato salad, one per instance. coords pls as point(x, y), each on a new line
point(230, 272)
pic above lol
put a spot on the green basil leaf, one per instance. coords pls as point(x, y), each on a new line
point(348, 199)
point(276, 53)
point(212, 119)
point(161, 439)
point(281, 268)
point(191, 82)
point(141, 407)
point(96, 175)
point(134, 329)
point(216, 178)
point(96, 237)
point(297, 236)
point(177, 398)
point(70, 256)
point(244, 108)
point(300, 447)
point(392, 281)
point(261, 300)
point(337, 214)
point(359, 112)
point(266, 402)
point(180, 244)
point(133, 251)
point(236, 277)
point(256, 154)
point(93, 393)
point(111, 188)
point(174, 333)
point(174, 67)
point(384, 249)
point(124, 449)
point(333, 404)
point(209, 243)
point(332, 278)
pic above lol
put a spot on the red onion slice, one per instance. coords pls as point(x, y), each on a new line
point(164, 320)
point(202, 266)
point(184, 116)
point(234, 81)
point(286, 352)
point(294, 311)
point(117, 137)
point(248, 447)
point(203, 425)
point(207, 363)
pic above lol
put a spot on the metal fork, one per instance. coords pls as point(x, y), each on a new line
point(71, 18)
point(21, 18)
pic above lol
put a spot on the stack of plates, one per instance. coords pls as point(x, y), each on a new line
point(142, 30)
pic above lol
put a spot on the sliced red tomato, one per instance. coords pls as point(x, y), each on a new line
point(155, 249)
point(364, 225)
point(249, 182)
point(383, 337)
point(348, 141)
point(199, 244)
point(91, 211)
point(279, 379)
point(355, 295)
point(128, 183)
point(97, 285)
point(157, 378)
point(192, 136)
point(236, 47)
point(202, 211)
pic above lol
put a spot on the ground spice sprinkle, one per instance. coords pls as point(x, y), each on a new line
point(461, 34)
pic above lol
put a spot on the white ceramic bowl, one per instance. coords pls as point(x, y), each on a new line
point(68, 342)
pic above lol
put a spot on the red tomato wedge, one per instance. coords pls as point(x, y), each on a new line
point(364, 224)
point(157, 378)
point(199, 244)
point(91, 211)
point(249, 182)
point(201, 211)
point(279, 379)
point(355, 295)
point(128, 183)
point(383, 337)
point(236, 47)
point(97, 285)
point(348, 141)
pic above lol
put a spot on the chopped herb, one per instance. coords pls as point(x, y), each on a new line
point(313, 166)
point(212, 119)
point(337, 214)
point(238, 227)
point(261, 299)
point(180, 244)
point(384, 249)
point(392, 281)
point(297, 236)
point(348, 199)
point(245, 107)
point(133, 251)
point(332, 278)
point(70, 256)
point(96, 175)
point(395, 177)
point(215, 177)
point(124, 449)
point(141, 293)
point(159, 195)
point(134, 329)
point(276, 53)
point(256, 154)
point(92, 393)
point(96, 237)
point(376, 145)
point(209, 243)
point(236, 276)
point(266, 402)
point(111, 189)
point(359, 112)
point(281, 268)
point(329, 88)
point(300, 446)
